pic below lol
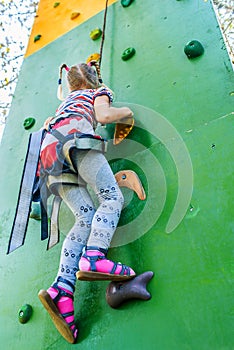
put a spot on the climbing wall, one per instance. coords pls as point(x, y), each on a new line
point(168, 62)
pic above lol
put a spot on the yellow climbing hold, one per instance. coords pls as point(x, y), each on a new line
point(95, 33)
point(95, 56)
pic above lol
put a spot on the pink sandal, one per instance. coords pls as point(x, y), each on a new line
point(94, 266)
point(59, 304)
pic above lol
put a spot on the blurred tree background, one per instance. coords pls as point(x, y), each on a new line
point(16, 21)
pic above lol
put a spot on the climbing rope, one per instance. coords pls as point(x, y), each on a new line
point(97, 63)
point(103, 33)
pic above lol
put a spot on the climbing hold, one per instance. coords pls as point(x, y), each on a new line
point(119, 292)
point(192, 211)
point(29, 122)
point(75, 15)
point(25, 312)
point(128, 53)
point(126, 3)
point(129, 179)
point(37, 37)
point(193, 49)
point(94, 56)
point(95, 34)
point(123, 129)
point(56, 4)
point(35, 211)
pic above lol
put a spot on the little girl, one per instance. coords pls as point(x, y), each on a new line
point(69, 169)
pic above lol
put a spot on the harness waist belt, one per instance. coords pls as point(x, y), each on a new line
point(91, 143)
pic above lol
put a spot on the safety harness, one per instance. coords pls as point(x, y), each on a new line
point(39, 189)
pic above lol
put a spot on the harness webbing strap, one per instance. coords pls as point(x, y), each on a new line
point(20, 223)
point(54, 224)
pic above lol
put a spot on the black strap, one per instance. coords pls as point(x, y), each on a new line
point(20, 223)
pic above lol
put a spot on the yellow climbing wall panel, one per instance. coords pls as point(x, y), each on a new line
point(53, 19)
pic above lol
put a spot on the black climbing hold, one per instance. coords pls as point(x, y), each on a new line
point(25, 313)
point(128, 53)
point(29, 122)
point(193, 49)
point(37, 37)
point(95, 34)
point(120, 292)
point(126, 3)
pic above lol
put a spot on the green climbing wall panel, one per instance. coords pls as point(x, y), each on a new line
point(182, 149)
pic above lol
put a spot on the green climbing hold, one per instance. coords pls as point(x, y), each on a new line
point(35, 211)
point(37, 37)
point(95, 34)
point(29, 122)
point(126, 3)
point(56, 4)
point(128, 53)
point(25, 313)
point(193, 49)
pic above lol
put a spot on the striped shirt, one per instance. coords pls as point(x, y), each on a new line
point(79, 116)
point(81, 102)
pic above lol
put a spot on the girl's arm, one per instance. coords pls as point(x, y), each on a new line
point(105, 114)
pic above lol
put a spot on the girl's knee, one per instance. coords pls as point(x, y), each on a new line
point(111, 194)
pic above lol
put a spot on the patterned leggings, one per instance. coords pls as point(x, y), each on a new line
point(92, 227)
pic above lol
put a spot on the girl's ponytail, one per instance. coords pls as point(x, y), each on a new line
point(60, 89)
point(97, 67)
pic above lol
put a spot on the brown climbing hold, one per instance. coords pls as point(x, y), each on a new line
point(119, 292)
point(75, 15)
point(129, 179)
point(123, 129)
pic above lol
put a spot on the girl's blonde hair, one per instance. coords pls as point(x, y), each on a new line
point(81, 76)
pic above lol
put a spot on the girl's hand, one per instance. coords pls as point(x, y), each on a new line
point(47, 122)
